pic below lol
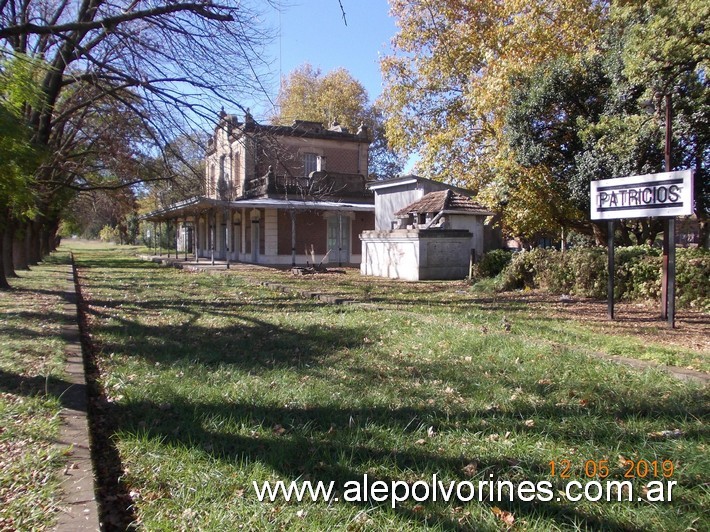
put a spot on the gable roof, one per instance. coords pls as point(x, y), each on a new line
point(446, 201)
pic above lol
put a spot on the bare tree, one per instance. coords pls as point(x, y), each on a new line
point(118, 80)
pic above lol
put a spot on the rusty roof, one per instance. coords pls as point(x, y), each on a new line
point(446, 201)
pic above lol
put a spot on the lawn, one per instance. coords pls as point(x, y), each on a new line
point(215, 382)
point(31, 364)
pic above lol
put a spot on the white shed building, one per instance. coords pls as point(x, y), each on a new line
point(435, 236)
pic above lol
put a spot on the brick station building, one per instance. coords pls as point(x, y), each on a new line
point(277, 195)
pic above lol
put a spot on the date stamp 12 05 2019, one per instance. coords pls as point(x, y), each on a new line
point(632, 469)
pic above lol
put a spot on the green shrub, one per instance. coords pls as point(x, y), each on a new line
point(693, 278)
point(641, 279)
point(637, 268)
point(492, 263)
point(553, 272)
point(637, 275)
point(523, 270)
point(588, 266)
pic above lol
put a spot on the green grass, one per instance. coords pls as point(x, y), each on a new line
point(463, 304)
point(216, 382)
point(31, 361)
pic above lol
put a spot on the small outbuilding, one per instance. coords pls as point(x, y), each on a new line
point(436, 237)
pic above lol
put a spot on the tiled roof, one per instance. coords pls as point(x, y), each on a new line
point(447, 201)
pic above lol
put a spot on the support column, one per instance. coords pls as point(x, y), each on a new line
point(340, 238)
point(167, 237)
point(213, 231)
point(185, 239)
point(293, 237)
point(197, 237)
point(668, 264)
point(228, 235)
point(243, 243)
point(610, 266)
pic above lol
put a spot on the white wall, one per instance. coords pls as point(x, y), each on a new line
point(390, 200)
point(473, 224)
point(415, 255)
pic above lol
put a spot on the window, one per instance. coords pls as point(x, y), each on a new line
point(310, 163)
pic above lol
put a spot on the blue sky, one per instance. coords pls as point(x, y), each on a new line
point(313, 31)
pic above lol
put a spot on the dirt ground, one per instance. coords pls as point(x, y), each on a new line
point(639, 319)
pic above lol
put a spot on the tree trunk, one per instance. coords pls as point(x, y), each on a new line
point(625, 239)
point(19, 251)
point(53, 237)
point(704, 233)
point(7, 260)
point(599, 233)
point(43, 248)
point(30, 255)
point(34, 255)
point(48, 239)
point(4, 285)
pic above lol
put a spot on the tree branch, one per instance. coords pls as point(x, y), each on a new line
point(109, 23)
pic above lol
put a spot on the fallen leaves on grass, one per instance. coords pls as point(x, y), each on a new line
point(506, 517)
point(470, 469)
point(661, 434)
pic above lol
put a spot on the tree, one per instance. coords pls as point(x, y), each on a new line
point(88, 212)
point(587, 119)
point(447, 82)
point(19, 158)
point(122, 79)
point(337, 98)
point(667, 50)
point(526, 102)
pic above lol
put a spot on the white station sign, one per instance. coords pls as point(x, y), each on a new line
point(666, 194)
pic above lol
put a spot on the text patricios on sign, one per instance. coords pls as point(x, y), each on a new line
point(666, 194)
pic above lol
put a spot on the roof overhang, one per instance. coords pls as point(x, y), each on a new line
point(469, 213)
point(199, 204)
point(301, 205)
point(394, 182)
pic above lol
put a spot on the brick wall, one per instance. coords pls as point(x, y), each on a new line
point(310, 229)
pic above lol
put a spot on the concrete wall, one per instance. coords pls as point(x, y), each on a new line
point(473, 224)
point(415, 255)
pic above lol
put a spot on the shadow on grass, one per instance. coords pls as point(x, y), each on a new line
point(333, 443)
point(317, 454)
point(44, 386)
point(251, 344)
